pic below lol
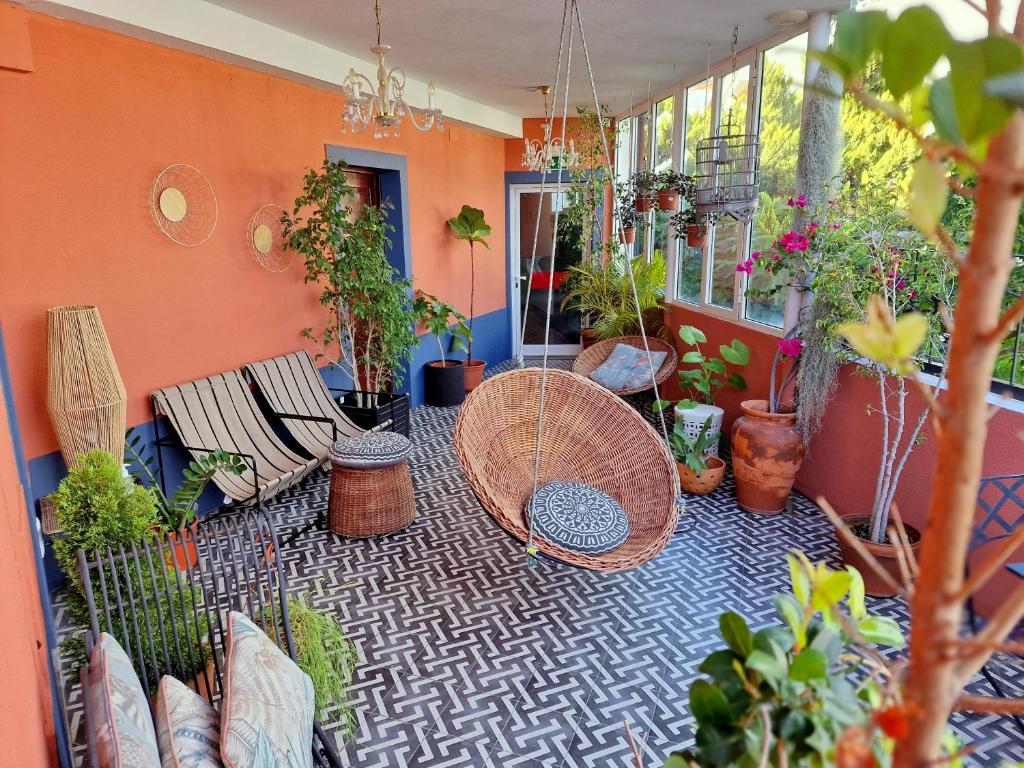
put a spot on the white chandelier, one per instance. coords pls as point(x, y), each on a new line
point(549, 154)
point(384, 104)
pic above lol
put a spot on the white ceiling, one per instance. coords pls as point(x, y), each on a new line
point(492, 50)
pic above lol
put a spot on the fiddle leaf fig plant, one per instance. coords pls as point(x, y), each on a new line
point(470, 226)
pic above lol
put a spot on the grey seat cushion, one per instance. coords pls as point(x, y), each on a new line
point(578, 517)
point(373, 450)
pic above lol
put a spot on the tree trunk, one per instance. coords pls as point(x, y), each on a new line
point(931, 687)
point(472, 291)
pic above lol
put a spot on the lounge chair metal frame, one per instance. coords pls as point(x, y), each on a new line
point(236, 568)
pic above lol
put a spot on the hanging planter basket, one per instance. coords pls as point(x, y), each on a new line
point(696, 235)
point(644, 203)
point(629, 235)
point(668, 200)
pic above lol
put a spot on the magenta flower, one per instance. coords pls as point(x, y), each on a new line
point(901, 284)
point(745, 266)
point(755, 255)
point(794, 241)
point(791, 347)
point(800, 202)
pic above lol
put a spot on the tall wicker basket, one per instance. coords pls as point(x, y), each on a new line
point(85, 395)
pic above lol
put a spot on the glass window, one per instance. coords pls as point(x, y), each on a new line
point(643, 141)
point(781, 103)
point(624, 137)
point(732, 118)
point(725, 249)
point(698, 122)
point(664, 133)
point(689, 267)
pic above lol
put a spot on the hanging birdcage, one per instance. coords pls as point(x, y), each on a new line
point(727, 177)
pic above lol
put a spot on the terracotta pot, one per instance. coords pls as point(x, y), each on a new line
point(588, 338)
point(766, 453)
point(706, 481)
point(644, 203)
point(183, 554)
point(885, 554)
point(668, 199)
point(629, 235)
point(696, 235)
point(474, 373)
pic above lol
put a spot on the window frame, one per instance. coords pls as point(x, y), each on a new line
point(752, 56)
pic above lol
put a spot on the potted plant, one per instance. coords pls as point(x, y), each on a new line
point(705, 381)
point(671, 184)
point(699, 471)
point(644, 185)
point(690, 226)
point(369, 333)
point(470, 226)
point(767, 448)
point(444, 381)
point(629, 217)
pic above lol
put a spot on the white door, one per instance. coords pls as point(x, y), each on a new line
point(530, 295)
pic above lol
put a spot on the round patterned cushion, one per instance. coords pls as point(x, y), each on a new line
point(578, 517)
point(373, 450)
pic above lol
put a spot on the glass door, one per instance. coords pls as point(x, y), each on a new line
point(551, 264)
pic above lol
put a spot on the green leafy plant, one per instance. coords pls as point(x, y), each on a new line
point(178, 511)
point(628, 214)
point(325, 653)
point(786, 695)
point(712, 374)
point(369, 332)
point(603, 296)
point(470, 226)
point(644, 183)
point(99, 507)
point(440, 318)
point(692, 451)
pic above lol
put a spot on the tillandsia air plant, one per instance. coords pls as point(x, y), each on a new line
point(440, 318)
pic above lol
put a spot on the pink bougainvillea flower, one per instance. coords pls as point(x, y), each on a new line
point(755, 255)
point(901, 284)
point(776, 257)
point(745, 266)
point(800, 202)
point(794, 241)
point(812, 228)
point(791, 347)
point(911, 294)
point(836, 226)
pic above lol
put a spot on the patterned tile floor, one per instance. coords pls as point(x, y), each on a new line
point(472, 658)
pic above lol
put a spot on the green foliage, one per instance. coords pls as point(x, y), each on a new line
point(99, 507)
point(470, 226)
point(440, 318)
point(369, 331)
point(785, 691)
point(603, 296)
point(692, 451)
point(712, 374)
point(180, 509)
point(579, 217)
point(329, 657)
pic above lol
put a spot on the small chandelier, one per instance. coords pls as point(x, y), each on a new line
point(549, 154)
point(384, 104)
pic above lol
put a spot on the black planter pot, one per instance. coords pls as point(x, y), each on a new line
point(389, 406)
point(444, 385)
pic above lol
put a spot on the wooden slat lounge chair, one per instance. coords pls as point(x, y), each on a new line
point(292, 386)
point(221, 412)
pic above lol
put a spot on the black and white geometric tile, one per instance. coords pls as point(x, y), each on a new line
point(473, 658)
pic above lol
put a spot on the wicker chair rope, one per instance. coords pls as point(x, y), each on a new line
point(589, 436)
point(591, 358)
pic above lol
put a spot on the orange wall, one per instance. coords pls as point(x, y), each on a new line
point(26, 727)
point(99, 118)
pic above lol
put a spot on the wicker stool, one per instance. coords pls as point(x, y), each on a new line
point(371, 489)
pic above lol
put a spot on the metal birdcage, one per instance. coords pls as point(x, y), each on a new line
point(728, 176)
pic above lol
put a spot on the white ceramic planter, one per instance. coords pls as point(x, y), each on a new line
point(693, 419)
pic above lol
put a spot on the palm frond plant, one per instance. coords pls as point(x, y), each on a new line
point(603, 294)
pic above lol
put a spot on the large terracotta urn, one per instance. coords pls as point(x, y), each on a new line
point(766, 453)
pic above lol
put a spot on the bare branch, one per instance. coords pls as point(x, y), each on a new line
point(766, 736)
point(975, 6)
point(843, 530)
point(993, 10)
point(1008, 321)
point(968, 702)
point(637, 759)
point(991, 565)
point(998, 627)
point(964, 644)
point(904, 538)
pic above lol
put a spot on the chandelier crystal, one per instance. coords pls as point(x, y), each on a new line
point(549, 154)
point(383, 104)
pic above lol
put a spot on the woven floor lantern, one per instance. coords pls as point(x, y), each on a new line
point(85, 395)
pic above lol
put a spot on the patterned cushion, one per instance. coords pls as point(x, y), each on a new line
point(370, 451)
point(578, 517)
point(627, 368)
point(119, 710)
point(266, 717)
point(187, 728)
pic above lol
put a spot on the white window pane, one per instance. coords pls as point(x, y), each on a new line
point(725, 247)
point(664, 121)
point(689, 268)
point(698, 122)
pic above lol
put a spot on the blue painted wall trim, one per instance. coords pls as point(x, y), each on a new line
point(25, 478)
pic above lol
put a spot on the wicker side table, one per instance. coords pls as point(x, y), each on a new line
point(371, 489)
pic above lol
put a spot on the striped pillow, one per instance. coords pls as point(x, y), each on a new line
point(187, 727)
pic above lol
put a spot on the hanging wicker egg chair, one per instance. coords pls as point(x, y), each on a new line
point(591, 358)
point(589, 436)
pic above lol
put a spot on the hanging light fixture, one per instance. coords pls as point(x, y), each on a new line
point(384, 104)
point(549, 154)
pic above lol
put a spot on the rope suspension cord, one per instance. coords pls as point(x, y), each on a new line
point(543, 182)
point(617, 225)
point(531, 550)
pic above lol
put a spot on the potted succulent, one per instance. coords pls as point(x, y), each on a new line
point(705, 381)
point(369, 330)
point(644, 185)
point(444, 382)
point(699, 471)
point(767, 447)
point(470, 226)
